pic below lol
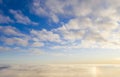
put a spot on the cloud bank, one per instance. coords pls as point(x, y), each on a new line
point(60, 70)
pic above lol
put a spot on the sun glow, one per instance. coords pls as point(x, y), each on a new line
point(94, 71)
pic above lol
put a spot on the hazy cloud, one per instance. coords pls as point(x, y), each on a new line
point(60, 70)
point(21, 18)
point(5, 19)
point(37, 44)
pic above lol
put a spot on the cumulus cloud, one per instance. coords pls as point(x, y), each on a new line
point(76, 8)
point(66, 8)
point(45, 35)
point(12, 36)
point(74, 29)
point(21, 18)
point(16, 41)
point(38, 9)
point(100, 29)
point(89, 34)
point(10, 31)
point(95, 24)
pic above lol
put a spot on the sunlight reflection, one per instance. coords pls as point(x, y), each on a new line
point(94, 71)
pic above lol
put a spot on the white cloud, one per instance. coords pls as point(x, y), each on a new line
point(89, 34)
point(9, 30)
point(74, 30)
point(55, 8)
point(5, 19)
point(15, 37)
point(45, 35)
point(40, 10)
point(77, 8)
point(38, 44)
point(37, 8)
point(21, 18)
point(95, 25)
point(16, 41)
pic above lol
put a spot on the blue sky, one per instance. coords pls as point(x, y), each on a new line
point(57, 31)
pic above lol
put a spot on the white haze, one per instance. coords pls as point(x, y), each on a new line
point(60, 70)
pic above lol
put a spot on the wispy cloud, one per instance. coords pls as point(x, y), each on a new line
point(10, 31)
point(5, 19)
point(21, 18)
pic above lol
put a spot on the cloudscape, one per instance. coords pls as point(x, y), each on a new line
point(59, 38)
point(59, 31)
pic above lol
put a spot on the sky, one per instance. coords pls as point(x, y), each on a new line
point(59, 31)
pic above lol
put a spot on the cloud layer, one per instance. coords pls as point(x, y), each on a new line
point(90, 24)
point(62, 70)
